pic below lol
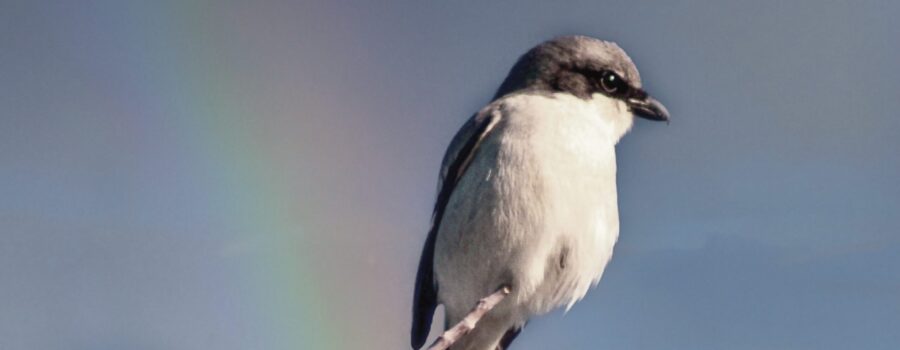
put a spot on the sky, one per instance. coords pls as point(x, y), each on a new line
point(261, 175)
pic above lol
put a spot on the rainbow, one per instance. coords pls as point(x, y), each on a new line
point(188, 97)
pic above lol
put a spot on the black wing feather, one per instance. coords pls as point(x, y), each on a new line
point(457, 159)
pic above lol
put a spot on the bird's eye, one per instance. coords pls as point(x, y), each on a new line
point(612, 83)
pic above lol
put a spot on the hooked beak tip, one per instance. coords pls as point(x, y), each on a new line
point(649, 108)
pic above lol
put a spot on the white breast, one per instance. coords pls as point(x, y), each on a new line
point(537, 207)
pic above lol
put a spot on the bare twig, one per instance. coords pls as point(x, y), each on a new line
point(467, 324)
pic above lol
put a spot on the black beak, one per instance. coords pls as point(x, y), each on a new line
point(647, 107)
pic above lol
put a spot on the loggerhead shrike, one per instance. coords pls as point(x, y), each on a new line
point(527, 191)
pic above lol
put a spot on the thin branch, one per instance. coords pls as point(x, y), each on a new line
point(468, 323)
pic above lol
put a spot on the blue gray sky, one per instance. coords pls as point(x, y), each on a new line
point(238, 176)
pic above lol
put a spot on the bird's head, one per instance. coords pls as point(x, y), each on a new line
point(584, 67)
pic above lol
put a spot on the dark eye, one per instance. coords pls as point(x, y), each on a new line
point(612, 83)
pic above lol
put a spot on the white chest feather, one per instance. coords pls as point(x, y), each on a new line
point(537, 207)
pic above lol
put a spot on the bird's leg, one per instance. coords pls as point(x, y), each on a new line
point(467, 324)
point(508, 337)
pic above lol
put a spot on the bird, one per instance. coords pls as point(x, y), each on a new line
point(527, 193)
